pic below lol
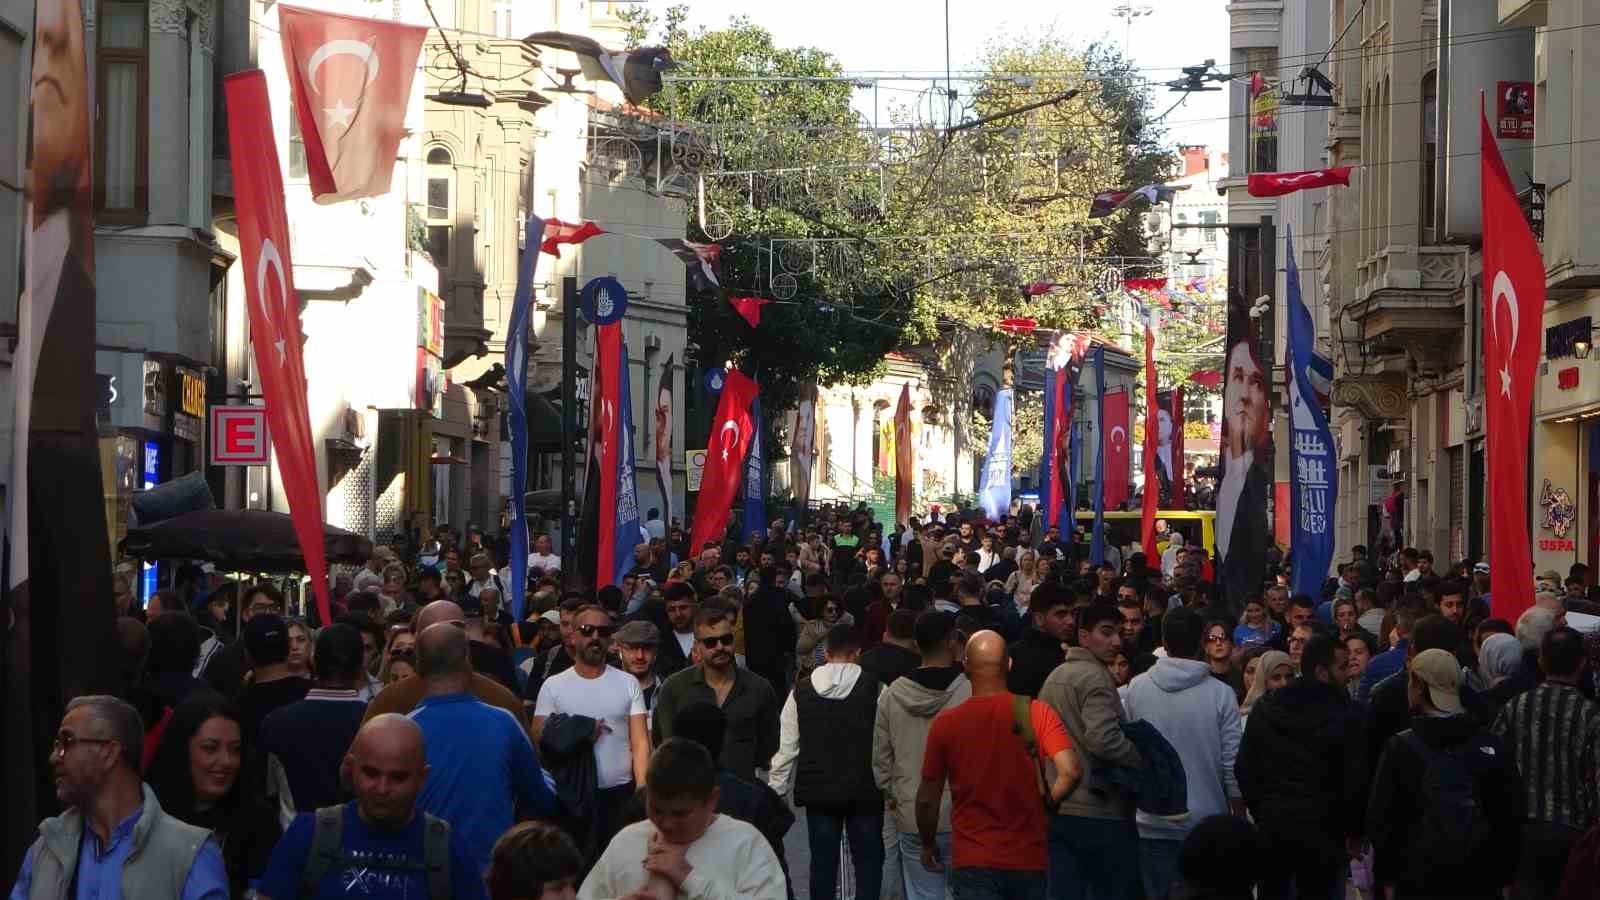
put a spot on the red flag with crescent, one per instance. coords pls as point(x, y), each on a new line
point(607, 421)
point(350, 77)
point(1513, 306)
point(1115, 435)
point(1276, 184)
point(274, 311)
point(731, 432)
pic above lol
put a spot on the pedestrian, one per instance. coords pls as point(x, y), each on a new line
point(271, 686)
point(1218, 651)
point(1221, 859)
point(991, 750)
point(1446, 807)
point(614, 699)
point(1406, 614)
point(304, 743)
point(168, 667)
point(1199, 716)
point(638, 643)
point(195, 774)
point(677, 647)
point(1094, 843)
point(1037, 652)
point(876, 619)
point(381, 844)
point(826, 743)
point(687, 847)
point(1272, 671)
point(555, 658)
point(769, 630)
point(406, 694)
point(745, 699)
point(481, 765)
point(1299, 771)
point(906, 710)
point(896, 654)
point(113, 839)
point(224, 671)
point(1552, 733)
point(534, 861)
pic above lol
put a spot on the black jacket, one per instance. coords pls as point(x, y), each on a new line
point(1033, 657)
point(1389, 713)
point(566, 750)
point(1299, 765)
point(769, 634)
point(1394, 814)
point(889, 661)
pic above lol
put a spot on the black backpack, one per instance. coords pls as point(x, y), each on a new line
point(1454, 830)
point(327, 854)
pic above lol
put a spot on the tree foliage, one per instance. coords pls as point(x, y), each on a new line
point(907, 233)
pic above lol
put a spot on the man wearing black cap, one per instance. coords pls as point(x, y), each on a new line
point(266, 640)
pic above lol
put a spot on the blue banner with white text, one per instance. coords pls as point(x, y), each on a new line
point(995, 495)
point(1313, 473)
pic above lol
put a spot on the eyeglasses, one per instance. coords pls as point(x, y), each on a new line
point(604, 631)
point(1297, 640)
point(716, 640)
point(66, 740)
point(1217, 639)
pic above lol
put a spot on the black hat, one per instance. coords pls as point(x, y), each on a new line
point(266, 639)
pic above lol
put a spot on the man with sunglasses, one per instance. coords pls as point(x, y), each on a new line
point(113, 840)
point(226, 668)
point(611, 697)
point(746, 699)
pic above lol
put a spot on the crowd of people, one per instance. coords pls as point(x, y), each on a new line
point(956, 707)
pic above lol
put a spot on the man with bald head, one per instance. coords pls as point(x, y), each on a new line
point(991, 750)
point(481, 764)
point(383, 844)
point(403, 696)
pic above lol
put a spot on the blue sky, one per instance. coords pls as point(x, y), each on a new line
point(908, 36)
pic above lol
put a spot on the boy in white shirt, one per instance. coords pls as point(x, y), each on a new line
point(685, 849)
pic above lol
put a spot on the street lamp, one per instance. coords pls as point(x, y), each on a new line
point(1127, 12)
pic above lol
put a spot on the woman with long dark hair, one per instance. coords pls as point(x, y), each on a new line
point(196, 774)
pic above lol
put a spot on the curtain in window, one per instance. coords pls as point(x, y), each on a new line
point(120, 111)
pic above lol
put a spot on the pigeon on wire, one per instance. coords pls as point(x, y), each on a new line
point(637, 71)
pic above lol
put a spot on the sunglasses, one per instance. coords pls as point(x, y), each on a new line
point(604, 631)
point(717, 640)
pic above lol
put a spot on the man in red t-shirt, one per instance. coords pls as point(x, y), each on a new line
point(997, 815)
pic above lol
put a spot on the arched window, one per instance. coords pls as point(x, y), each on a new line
point(441, 206)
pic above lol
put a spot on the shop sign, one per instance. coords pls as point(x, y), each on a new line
point(155, 391)
point(239, 436)
point(1559, 511)
point(1557, 545)
point(1567, 378)
point(694, 467)
point(430, 322)
point(1513, 106)
point(188, 420)
point(105, 393)
point(1558, 339)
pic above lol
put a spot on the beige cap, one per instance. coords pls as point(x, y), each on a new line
point(1440, 671)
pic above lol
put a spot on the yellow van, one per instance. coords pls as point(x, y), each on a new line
point(1194, 524)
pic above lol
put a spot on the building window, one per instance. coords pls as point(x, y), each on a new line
point(297, 145)
point(121, 129)
point(441, 194)
point(502, 20)
point(1209, 233)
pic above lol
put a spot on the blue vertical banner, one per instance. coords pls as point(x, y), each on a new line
point(995, 495)
point(627, 532)
point(1097, 549)
point(1048, 483)
point(517, 414)
point(1313, 473)
point(755, 477)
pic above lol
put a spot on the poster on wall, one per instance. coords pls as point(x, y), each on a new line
point(1513, 110)
point(430, 382)
point(1246, 456)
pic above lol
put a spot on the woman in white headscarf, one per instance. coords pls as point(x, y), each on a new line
point(1273, 671)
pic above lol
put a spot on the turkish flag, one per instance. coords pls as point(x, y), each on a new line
point(351, 82)
point(749, 309)
point(1513, 305)
point(1276, 184)
point(274, 310)
point(1114, 434)
point(731, 433)
point(607, 417)
point(904, 457)
point(557, 233)
point(1152, 442)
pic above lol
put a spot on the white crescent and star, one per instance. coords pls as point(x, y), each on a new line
point(1119, 430)
point(339, 114)
point(722, 436)
point(1504, 288)
point(270, 260)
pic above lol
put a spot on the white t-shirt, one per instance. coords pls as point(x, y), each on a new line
point(545, 561)
point(685, 642)
point(611, 699)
